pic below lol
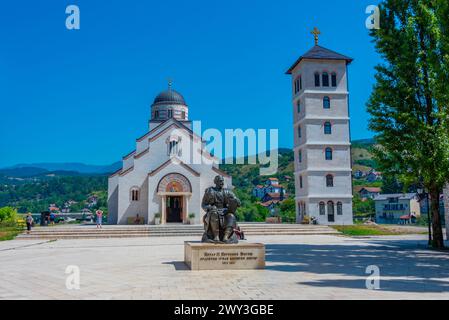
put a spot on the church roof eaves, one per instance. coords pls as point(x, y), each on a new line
point(166, 163)
point(320, 53)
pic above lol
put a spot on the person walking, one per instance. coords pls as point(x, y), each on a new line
point(99, 218)
point(29, 222)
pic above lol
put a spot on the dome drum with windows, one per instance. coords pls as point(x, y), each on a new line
point(169, 104)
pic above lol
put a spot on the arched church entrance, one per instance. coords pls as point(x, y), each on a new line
point(175, 191)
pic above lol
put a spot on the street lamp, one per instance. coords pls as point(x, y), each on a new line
point(422, 194)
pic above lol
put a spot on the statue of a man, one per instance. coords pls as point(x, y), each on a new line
point(220, 205)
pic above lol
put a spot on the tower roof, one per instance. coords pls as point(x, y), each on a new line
point(169, 96)
point(320, 53)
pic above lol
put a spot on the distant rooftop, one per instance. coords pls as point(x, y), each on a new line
point(400, 196)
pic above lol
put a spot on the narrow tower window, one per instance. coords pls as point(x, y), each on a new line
point(317, 79)
point(327, 128)
point(334, 79)
point(339, 208)
point(322, 209)
point(329, 181)
point(328, 153)
point(326, 103)
point(325, 79)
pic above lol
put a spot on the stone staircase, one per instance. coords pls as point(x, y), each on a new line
point(175, 230)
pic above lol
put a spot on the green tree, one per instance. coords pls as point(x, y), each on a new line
point(8, 214)
point(409, 104)
point(288, 210)
point(363, 207)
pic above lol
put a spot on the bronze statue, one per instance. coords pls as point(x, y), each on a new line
point(220, 204)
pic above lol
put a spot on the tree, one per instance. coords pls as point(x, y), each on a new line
point(288, 210)
point(8, 214)
point(409, 103)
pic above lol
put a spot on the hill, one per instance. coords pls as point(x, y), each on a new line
point(61, 167)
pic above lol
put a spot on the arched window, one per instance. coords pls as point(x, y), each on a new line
point(322, 209)
point(156, 114)
point(299, 132)
point(339, 208)
point(296, 89)
point(298, 106)
point(334, 79)
point(183, 115)
point(328, 154)
point(170, 113)
point(174, 147)
point(326, 103)
point(317, 79)
point(330, 212)
point(329, 181)
point(327, 128)
point(300, 82)
point(135, 194)
point(325, 79)
point(300, 182)
point(300, 156)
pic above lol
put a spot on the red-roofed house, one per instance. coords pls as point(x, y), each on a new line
point(369, 192)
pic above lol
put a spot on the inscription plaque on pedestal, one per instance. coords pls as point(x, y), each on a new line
point(210, 256)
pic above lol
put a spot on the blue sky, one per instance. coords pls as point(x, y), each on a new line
point(85, 95)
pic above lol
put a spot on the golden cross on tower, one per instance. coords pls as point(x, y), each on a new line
point(170, 82)
point(316, 32)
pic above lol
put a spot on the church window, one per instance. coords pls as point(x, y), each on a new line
point(300, 82)
point(329, 181)
point(300, 182)
point(334, 79)
point(322, 209)
point(170, 113)
point(135, 194)
point(327, 128)
point(173, 148)
point(317, 79)
point(339, 208)
point(325, 79)
point(328, 152)
point(183, 115)
point(299, 132)
point(300, 156)
point(298, 106)
point(326, 103)
point(156, 114)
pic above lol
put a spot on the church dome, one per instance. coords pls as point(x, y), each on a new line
point(169, 96)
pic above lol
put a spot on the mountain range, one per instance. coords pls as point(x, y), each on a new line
point(26, 170)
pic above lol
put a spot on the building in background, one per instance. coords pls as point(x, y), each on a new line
point(322, 148)
point(369, 192)
point(397, 208)
point(272, 186)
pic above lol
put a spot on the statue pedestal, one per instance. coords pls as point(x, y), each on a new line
point(210, 256)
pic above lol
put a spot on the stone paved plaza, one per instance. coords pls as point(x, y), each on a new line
point(298, 267)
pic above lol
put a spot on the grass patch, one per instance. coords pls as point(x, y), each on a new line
point(369, 230)
point(9, 232)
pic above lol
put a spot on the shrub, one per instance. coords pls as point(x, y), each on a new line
point(8, 215)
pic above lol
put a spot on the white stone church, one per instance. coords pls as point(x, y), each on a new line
point(163, 175)
point(322, 148)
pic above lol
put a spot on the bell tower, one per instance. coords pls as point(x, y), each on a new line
point(322, 148)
